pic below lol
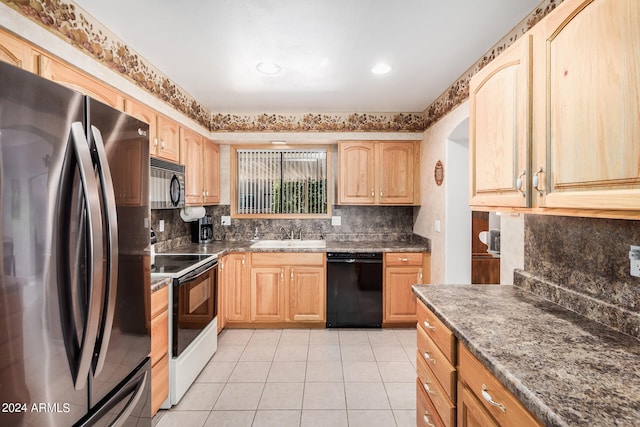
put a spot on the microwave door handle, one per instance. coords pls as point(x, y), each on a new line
point(94, 285)
point(111, 221)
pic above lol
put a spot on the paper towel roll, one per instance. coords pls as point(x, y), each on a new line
point(192, 213)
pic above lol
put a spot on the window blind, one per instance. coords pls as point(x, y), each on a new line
point(282, 181)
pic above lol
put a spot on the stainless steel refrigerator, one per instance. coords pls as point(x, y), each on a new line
point(74, 290)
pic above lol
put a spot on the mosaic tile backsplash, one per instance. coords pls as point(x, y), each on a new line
point(358, 223)
point(583, 265)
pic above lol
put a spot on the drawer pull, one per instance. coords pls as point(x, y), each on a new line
point(428, 325)
point(486, 396)
point(428, 358)
point(427, 420)
point(403, 259)
point(428, 389)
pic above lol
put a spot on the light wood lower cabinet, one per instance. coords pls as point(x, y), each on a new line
point(401, 271)
point(275, 288)
point(159, 348)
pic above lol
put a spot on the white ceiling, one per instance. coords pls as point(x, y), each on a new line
point(326, 48)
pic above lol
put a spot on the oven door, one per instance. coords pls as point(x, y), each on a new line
point(194, 306)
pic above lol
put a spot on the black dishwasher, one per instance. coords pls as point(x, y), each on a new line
point(354, 290)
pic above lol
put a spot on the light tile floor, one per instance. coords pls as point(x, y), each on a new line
point(302, 377)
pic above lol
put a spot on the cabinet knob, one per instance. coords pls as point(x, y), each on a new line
point(428, 389)
point(381, 193)
point(486, 396)
point(428, 325)
point(373, 194)
point(292, 274)
point(536, 180)
point(282, 274)
point(428, 358)
point(155, 142)
point(162, 144)
point(520, 182)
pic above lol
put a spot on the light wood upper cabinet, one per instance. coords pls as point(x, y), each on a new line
point(401, 271)
point(210, 172)
point(383, 173)
point(168, 140)
point(579, 116)
point(201, 158)
point(147, 115)
point(76, 80)
point(191, 157)
point(499, 134)
point(587, 126)
point(16, 52)
point(356, 183)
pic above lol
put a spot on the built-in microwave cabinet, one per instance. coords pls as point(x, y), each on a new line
point(554, 122)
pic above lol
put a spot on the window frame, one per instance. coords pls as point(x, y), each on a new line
point(234, 181)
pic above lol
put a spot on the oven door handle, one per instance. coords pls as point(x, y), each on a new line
point(190, 277)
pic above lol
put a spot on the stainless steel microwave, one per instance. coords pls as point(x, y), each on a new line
point(166, 186)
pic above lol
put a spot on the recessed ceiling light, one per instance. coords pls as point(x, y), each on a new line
point(381, 68)
point(268, 67)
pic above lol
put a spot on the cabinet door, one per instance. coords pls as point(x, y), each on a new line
point(168, 140)
point(222, 293)
point(267, 294)
point(237, 289)
point(16, 52)
point(147, 115)
point(396, 172)
point(211, 172)
point(399, 299)
point(499, 135)
point(356, 183)
point(591, 126)
point(307, 289)
point(74, 79)
point(470, 412)
point(191, 157)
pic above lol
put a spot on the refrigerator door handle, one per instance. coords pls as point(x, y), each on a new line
point(90, 188)
point(139, 389)
point(111, 221)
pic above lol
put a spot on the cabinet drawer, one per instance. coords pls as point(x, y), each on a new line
point(426, 414)
point(159, 383)
point(437, 331)
point(478, 378)
point(436, 361)
point(287, 258)
point(159, 301)
point(441, 402)
point(159, 336)
point(403, 258)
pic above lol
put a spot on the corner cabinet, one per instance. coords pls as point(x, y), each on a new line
point(379, 172)
point(555, 119)
point(499, 134)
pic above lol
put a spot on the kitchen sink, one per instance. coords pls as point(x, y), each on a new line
point(290, 243)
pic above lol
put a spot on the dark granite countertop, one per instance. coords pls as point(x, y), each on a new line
point(566, 369)
point(158, 283)
point(222, 247)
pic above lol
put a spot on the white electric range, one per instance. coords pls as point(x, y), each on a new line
point(193, 326)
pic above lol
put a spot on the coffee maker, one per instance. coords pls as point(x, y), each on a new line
point(202, 230)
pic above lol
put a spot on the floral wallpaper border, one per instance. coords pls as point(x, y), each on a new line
point(68, 21)
point(458, 92)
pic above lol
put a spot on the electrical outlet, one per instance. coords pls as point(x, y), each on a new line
point(336, 220)
point(634, 258)
point(225, 220)
point(161, 226)
point(436, 226)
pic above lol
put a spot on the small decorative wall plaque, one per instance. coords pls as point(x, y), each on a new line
point(438, 172)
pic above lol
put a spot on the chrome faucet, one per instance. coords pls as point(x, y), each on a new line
point(287, 233)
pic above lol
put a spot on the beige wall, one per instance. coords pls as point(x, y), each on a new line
point(433, 196)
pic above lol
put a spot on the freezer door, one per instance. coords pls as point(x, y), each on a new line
point(123, 340)
point(45, 338)
point(128, 405)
